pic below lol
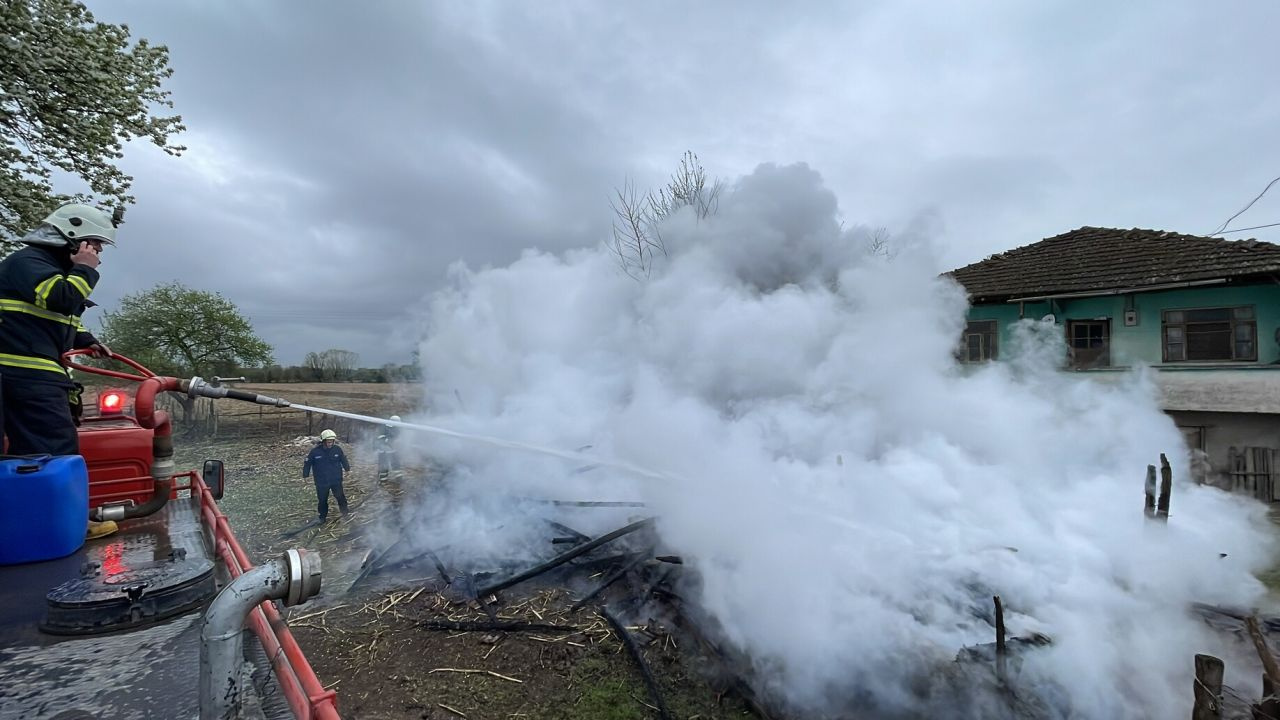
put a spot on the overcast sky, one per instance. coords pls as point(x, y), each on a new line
point(343, 155)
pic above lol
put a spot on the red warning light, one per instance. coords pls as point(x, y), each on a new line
point(111, 402)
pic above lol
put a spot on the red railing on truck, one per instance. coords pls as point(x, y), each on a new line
point(302, 689)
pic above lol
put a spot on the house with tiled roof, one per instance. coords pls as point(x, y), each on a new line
point(1203, 311)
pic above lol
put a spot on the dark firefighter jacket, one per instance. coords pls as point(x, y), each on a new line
point(42, 295)
point(328, 463)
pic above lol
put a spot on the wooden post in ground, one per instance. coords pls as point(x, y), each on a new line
point(1166, 487)
point(1149, 509)
point(1001, 649)
point(309, 432)
point(1208, 688)
point(1269, 707)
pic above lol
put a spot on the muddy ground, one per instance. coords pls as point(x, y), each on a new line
point(398, 643)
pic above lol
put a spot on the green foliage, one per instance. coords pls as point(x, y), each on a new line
point(176, 330)
point(72, 91)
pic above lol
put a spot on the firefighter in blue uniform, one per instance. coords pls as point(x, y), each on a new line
point(43, 291)
point(328, 462)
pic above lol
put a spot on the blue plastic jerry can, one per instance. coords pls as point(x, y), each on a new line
point(44, 507)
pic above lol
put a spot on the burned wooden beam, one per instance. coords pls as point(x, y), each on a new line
point(1264, 653)
point(650, 682)
point(374, 562)
point(568, 531)
point(598, 503)
point(563, 558)
point(585, 503)
point(615, 577)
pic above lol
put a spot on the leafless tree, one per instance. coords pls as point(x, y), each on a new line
point(332, 364)
point(637, 234)
point(879, 243)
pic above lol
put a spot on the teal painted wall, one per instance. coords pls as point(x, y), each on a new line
point(1142, 343)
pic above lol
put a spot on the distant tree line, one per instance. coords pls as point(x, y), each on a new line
point(389, 373)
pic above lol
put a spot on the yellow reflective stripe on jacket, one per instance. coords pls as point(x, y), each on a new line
point(32, 363)
point(79, 325)
point(78, 283)
point(29, 309)
point(43, 290)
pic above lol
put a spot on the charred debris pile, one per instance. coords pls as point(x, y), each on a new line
point(625, 582)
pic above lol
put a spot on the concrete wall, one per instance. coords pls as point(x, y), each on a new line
point(1142, 343)
point(1221, 431)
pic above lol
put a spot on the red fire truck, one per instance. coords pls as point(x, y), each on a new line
point(119, 627)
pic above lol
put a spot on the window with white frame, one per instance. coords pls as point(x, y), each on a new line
point(979, 342)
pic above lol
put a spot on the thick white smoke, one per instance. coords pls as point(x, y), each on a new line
point(850, 497)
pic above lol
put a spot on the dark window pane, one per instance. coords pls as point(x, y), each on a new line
point(1208, 342)
point(1244, 349)
point(1174, 351)
point(1208, 315)
point(1174, 334)
point(1243, 313)
point(1244, 332)
point(1173, 316)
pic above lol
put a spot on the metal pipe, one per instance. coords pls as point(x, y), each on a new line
point(197, 387)
point(302, 689)
point(293, 577)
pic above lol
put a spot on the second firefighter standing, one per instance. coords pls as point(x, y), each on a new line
point(327, 461)
point(388, 456)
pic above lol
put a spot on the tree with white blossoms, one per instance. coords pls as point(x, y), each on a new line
point(72, 91)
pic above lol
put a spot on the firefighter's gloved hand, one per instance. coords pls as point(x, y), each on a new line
point(100, 350)
point(87, 254)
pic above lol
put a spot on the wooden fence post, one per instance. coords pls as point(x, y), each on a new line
point(1208, 688)
point(1166, 487)
point(1001, 648)
point(1149, 509)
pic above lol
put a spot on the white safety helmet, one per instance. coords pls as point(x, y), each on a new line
point(328, 435)
point(393, 418)
point(75, 223)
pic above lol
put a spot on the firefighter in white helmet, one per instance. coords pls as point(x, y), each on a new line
point(328, 462)
point(44, 288)
point(388, 456)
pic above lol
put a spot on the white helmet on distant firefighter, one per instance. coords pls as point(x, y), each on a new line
point(328, 435)
point(74, 223)
point(393, 418)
